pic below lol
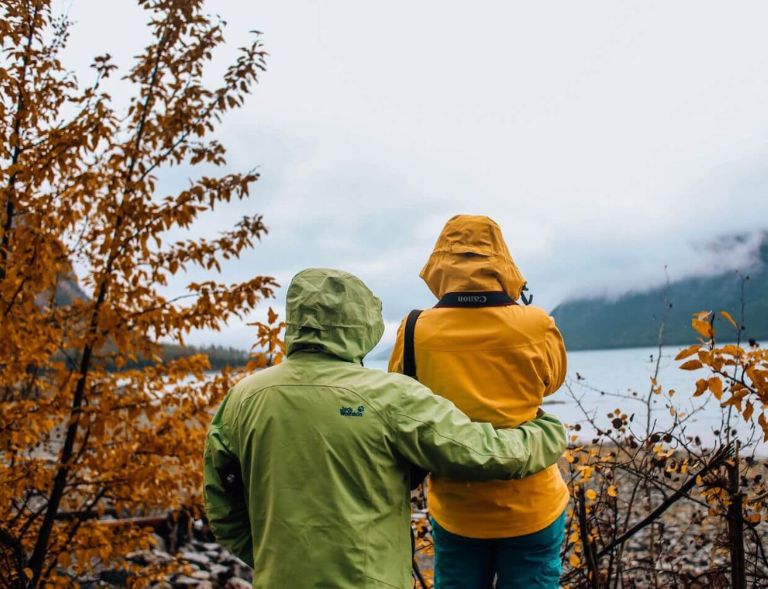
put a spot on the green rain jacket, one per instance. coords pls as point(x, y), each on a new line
point(307, 462)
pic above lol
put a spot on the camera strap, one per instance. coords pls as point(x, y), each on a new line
point(475, 299)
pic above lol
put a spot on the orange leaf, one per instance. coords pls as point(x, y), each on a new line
point(730, 319)
point(763, 424)
point(689, 351)
point(574, 561)
point(691, 365)
point(732, 350)
point(716, 386)
point(748, 410)
point(612, 492)
point(702, 323)
point(701, 386)
point(704, 328)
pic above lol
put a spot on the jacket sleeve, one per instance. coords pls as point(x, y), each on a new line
point(433, 434)
point(225, 503)
point(557, 360)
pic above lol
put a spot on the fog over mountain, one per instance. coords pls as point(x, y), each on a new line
point(633, 319)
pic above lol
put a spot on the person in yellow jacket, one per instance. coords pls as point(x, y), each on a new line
point(474, 347)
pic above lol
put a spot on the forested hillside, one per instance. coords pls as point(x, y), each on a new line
point(633, 319)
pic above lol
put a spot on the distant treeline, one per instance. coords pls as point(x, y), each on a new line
point(68, 291)
point(218, 356)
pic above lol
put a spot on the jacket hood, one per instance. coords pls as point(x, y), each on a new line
point(471, 255)
point(332, 311)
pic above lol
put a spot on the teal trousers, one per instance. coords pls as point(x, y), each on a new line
point(524, 562)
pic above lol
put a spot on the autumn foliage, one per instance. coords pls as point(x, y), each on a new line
point(82, 448)
point(654, 506)
point(90, 444)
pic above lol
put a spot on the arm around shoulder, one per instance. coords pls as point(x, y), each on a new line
point(432, 433)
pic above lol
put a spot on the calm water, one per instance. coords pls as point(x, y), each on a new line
point(604, 380)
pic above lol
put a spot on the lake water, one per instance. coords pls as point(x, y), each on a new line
point(605, 380)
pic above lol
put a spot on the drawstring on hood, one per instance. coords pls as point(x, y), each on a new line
point(332, 311)
point(471, 256)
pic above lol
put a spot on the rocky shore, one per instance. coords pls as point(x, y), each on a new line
point(200, 564)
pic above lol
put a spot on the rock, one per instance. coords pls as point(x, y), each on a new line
point(195, 558)
point(185, 581)
point(228, 558)
point(140, 558)
point(218, 570)
point(235, 583)
point(160, 556)
point(201, 575)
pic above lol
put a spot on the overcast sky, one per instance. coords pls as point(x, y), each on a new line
point(608, 139)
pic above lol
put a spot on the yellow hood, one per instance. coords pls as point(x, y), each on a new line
point(470, 256)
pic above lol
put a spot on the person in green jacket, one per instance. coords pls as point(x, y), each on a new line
point(307, 463)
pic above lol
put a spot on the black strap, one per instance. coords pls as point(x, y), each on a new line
point(409, 369)
point(475, 299)
point(409, 354)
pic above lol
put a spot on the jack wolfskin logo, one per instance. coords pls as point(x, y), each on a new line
point(472, 299)
point(350, 412)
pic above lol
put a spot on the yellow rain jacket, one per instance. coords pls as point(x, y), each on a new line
point(496, 363)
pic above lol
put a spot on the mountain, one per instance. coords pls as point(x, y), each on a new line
point(633, 319)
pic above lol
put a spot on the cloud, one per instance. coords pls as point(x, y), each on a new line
point(605, 138)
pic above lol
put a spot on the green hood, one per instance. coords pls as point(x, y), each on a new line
point(332, 311)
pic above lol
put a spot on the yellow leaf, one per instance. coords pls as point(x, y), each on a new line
point(730, 319)
point(748, 410)
point(574, 561)
point(612, 492)
point(591, 494)
point(689, 351)
point(29, 573)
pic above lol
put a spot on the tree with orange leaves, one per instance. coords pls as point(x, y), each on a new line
point(78, 439)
